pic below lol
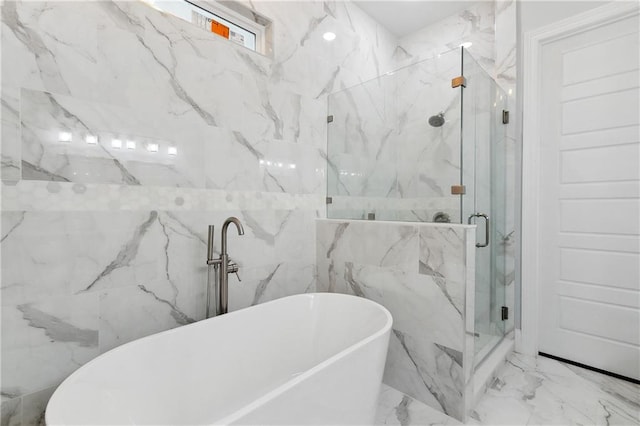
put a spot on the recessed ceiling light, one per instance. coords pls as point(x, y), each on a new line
point(329, 36)
point(116, 143)
point(131, 144)
point(172, 150)
point(152, 147)
point(466, 44)
point(91, 139)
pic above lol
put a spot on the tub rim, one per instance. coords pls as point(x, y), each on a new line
point(320, 366)
point(246, 409)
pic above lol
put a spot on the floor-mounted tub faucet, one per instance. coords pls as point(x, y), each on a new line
point(222, 266)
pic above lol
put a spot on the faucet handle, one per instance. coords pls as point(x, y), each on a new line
point(233, 269)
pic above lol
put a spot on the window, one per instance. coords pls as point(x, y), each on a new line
point(231, 20)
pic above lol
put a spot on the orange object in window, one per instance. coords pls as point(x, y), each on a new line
point(220, 29)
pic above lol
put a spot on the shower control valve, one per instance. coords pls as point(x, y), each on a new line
point(233, 269)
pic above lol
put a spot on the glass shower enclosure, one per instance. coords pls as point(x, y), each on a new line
point(484, 151)
point(386, 162)
point(407, 146)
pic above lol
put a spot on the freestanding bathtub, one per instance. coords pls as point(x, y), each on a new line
point(304, 359)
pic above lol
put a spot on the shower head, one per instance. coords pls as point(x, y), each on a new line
point(436, 120)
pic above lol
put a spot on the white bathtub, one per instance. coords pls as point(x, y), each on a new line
point(305, 359)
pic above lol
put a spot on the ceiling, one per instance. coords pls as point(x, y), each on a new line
point(405, 17)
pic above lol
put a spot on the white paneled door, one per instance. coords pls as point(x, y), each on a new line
point(589, 213)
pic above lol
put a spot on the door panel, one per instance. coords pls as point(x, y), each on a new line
point(610, 163)
point(610, 269)
point(609, 60)
point(590, 205)
point(600, 216)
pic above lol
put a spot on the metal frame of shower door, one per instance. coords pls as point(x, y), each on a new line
point(527, 335)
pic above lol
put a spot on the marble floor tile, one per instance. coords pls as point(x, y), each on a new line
point(542, 391)
point(530, 391)
point(396, 408)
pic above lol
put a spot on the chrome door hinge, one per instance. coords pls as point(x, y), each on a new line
point(328, 200)
point(505, 116)
point(505, 313)
point(329, 118)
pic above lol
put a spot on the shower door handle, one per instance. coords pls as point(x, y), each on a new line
point(486, 228)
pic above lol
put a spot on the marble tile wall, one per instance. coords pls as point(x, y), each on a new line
point(362, 144)
point(474, 24)
point(429, 157)
point(421, 273)
point(412, 182)
point(426, 162)
point(380, 143)
point(437, 165)
point(394, 209)
point(104, 244)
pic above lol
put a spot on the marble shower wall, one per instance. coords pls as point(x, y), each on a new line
point(361, 142)
point(381, 146)
point(104, 244)
point(475, 24)
point(425, 161)
point(428, 159)
point(490, 27)
point(423, 274)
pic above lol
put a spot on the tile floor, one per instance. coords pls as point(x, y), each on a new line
point(530, 391)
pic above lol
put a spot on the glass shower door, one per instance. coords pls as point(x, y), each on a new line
point(484, 176)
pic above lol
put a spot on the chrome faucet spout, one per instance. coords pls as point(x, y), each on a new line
point(225, 226)
point(226, 267)
point(223, 266)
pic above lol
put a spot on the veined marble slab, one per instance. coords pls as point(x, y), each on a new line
point(529, 391)
point(419, 272)
point(537, 391)
point(396, 408)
